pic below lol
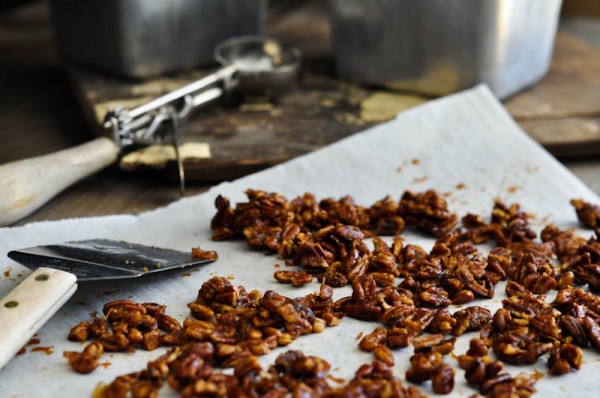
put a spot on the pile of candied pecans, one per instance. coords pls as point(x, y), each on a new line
point(326, 240)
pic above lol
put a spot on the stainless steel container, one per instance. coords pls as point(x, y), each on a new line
point(142, 38)
point(441, 46)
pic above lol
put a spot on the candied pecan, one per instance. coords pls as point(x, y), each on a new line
point(99, 327)
point(428, 211)
point(513, 222)
point(114, 341)
point(488, 385)
point(119, 309)
point(413, 320)
point(434, 297)
point(383, 279)
point(398, 337)
point(247, 364)
point(296, 278)
point(566, 244)
point(564, 358)
point(363, 303)
point(471, 318)
point(154, 309)
point(150, 340)
point(219, 290)
point(335, 279)
point(80, 332)
point(375, 380)
point(433, 342)
point(312, 255)
point(424, 366)
point(468, 279)
point(86, 361)
point(477, 348)
point(588, 273)
point(587, 213)
point(442, 322)
point(546, 326)
point(168, 323)
point(135, 336)
point(209, 255)
point(201, 311)
point(519, 346)
point(146, 322)
point(427, 342)
point(573, 328)
point(384, 219)
point(383, 354)
point(503, 385)
point(593, 331)
point(443, 381)
point(222, 223)
point(370, 341)
point(463, 297)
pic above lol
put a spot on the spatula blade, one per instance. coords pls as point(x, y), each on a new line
point(100, 259)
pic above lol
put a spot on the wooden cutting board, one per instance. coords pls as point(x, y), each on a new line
point(235, 137)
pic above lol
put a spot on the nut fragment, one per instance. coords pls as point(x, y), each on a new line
point(564, 358)
point(296, 278)
point(86, 361)
point(587, 213)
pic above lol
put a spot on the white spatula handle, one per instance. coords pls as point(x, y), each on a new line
point(28, 306)
point(28, 184)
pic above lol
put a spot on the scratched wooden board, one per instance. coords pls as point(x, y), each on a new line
point(561, 111)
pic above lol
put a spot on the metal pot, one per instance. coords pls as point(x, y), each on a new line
point(142, 38)
point(438, 47)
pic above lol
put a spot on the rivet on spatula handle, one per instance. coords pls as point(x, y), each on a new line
point(28, 306)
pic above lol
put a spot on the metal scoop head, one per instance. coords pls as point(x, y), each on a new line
point(101, 259)
point(265, 66)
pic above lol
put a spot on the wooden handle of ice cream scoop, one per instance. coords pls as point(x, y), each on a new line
point(25, 185)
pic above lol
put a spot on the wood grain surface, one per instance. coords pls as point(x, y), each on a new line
point(245, 135)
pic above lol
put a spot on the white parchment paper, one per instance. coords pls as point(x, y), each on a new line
point(465, 144)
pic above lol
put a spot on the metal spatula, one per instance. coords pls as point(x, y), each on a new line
point(57, 269)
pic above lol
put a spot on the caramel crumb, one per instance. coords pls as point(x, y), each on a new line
point(360, 335)
point(513, 189)
point(531, 169)
point(7, 272)
point(21, 351)
point(420, 179)
point(33, 341)
point(460, 185)
point(109, 292)
point(46, 350)
point(335, 379)
point(415, 161)
point(398, 169)
point(208, 255)
point(186, 274)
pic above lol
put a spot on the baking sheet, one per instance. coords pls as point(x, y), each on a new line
point(465, 144)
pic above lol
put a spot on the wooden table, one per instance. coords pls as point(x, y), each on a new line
point(39, 114)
